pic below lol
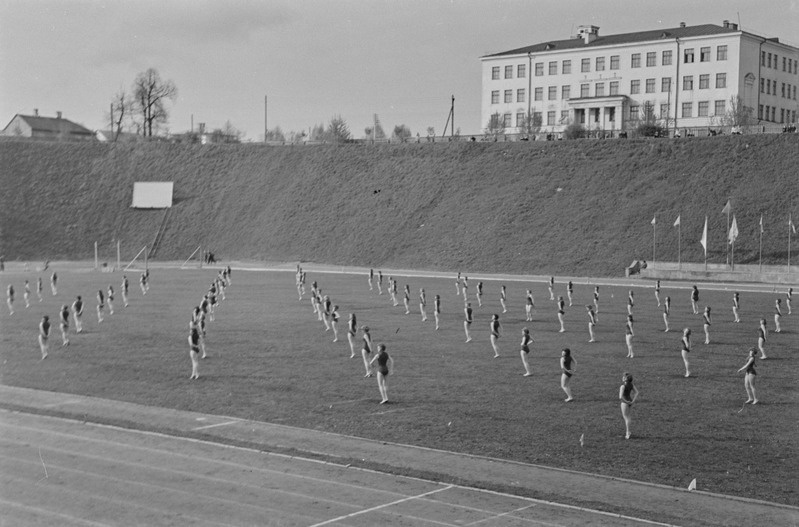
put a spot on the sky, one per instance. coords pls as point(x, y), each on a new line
point(312, 59)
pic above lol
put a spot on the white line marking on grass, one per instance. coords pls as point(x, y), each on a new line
point(45, 512)
point(494, 517)
point(60, 403)
point(378, 507)
point(388, 411)
point(215, 425)
point(351, 401)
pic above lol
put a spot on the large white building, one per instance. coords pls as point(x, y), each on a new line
point(685, 76)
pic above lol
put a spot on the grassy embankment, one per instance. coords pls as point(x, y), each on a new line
point(581, 207)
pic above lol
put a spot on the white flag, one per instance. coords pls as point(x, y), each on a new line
point(761, 225)
point(791, 224)
point(692, 485)
point(677, 221)
point(727, 208)
point(733, 230)
point(703, 241)
point(654, 220)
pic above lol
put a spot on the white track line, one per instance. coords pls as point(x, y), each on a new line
point(217, 424)
point(378, 507)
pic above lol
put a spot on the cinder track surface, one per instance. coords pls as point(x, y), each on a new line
point(61, 465)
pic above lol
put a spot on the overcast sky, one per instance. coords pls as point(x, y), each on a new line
point(401, 59)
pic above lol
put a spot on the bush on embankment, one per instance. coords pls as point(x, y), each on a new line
point(571, 207)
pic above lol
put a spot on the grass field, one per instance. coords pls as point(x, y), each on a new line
point(271, 360)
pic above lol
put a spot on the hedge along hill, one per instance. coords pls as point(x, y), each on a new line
point(571, 207)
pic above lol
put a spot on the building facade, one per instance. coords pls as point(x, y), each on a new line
point(684, 77)
point(50, 128)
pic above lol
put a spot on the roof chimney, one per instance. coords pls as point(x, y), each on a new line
point(726, 24)
point(682, 24)
point(58, 115)
point(36, 112)
point(588, 33)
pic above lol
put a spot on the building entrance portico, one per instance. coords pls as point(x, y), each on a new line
point(599, 113)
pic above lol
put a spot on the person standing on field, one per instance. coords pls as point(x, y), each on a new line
point(591, 322)
point(39, 288)
point(10, 299)
point(64, 319)
point(628, 393)
point(561, 313)
point(695, 300)
point(761, 338)
point(686, 349)
point(469, 318)
point(125, 286)
point(628, 336)
point(706, 321)
point(777, 315)
point(100, 305)
point(570, 291)
point(385, 364)
point(110, 299)
point(496, 328)
point(567, 370)
point(437, 309)
point(366, 350)
point(406, 299)
point(422, 304)
point(26, 294)
point(194, 351)
point(529, 305)
point(479, 294)
point(551, 288)
point(54, 283)
point(77, 314)
point(666, 312)
point(334, 322)
point(736, 303)
point(657, 292)
point(352, 330)
point(525, 350)
point(44, 335)
point(749, 376)
point(503, 297)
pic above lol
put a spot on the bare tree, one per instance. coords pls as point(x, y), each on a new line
point(401, 132)
point(121, 112)
point(151, 93)
point(275, 134)
point(495, 125)
point(531, 123)
point(738, 114)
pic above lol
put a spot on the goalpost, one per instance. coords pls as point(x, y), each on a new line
point(183, 266)
point(143, 250)
point(105, 267)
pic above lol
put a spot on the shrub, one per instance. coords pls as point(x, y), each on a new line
point(574, 131)
point(651, 130)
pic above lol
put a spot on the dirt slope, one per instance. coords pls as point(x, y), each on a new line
point(580, 207)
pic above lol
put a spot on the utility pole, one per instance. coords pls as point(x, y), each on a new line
point(266, 128)
point(453, 117)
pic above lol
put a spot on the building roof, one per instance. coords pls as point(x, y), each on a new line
point(55, 125)
point(623, 38)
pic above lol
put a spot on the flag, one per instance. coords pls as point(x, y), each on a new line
point(791, 224)
point(654, 220)
point(692, 485)
point(733, 230)
point(677, 221)
point(703, 241)
point(761, 224)
point(727, 208)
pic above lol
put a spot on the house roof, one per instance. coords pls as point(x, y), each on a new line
point(623, 38)
point(53, 124)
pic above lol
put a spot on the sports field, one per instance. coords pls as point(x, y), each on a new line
point(271, 360)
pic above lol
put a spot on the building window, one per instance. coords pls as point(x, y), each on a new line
point(774, 113)
point(552, 93)
point(762, 85)
point(564, 116)
point(600, 63)
point(614, 87)
point(782, 115)
point(704, 106)
point(650, 85)
point(636, 60)
point(508, 72)
point(585, 65)
point(704, 81)
point(565, 92)
point(776, 60)
point(704, 54)
point(506, 120)
point(688, 56)
point(651, 58)
point(614, 62)
point(539, 69)
point(760, 112)
point(495, 97)
point(519, 119)
point(768, 86)
point(762, 58)
point(521, 71)
point(664, 111)
point(666, 60)
point(768, 63)
point(566, 67)
point(520, 95)
point(721, 80)
point(635, 86)
point(599, 89)
point(782, 88)
point(584, 90)
point(495, 73)
point(634, 111)
point(508, 95)
point(665, 84)
point(784, 60)
point(721, 53)
point(537, 117)
point(688, 82)
point(551, 117)
point(539, 94)
point(553, 68)
point(720, 109)
point(687, 108)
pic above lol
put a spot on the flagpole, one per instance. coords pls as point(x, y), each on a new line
point(679, 249)
point(761, 244)
point(790, 227)
point(654, 237)
point(728, 228)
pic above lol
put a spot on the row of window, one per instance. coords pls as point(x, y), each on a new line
point(650, 86)
point(600, 63)
point(769, 87)
point(703, 109)
point(788, 64)
point(769, 113)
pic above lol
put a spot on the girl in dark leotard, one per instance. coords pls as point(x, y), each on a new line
point(561, 312)
point(526, 340)
point(686, 349)
point(736, 303)
point(749, 376)
point(385, 364)
point(567, 368)
point(366, 350)
point(761, 338)
point(352, 330)
point(627, 395)
point(706, 324)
